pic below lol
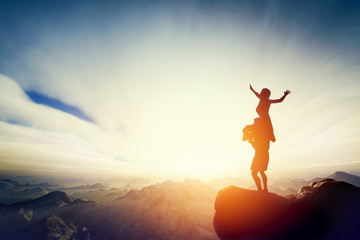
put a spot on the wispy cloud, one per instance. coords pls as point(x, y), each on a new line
point(54, 103)
point(49, 137)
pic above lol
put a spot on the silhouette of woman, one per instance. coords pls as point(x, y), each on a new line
point(263, 109)
point(260, 134)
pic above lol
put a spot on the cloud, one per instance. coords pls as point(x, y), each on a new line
point(44, 136)
point(54, 103)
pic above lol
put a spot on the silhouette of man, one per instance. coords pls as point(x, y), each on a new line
point(261, 143)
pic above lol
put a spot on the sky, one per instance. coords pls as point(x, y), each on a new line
point(160, 89)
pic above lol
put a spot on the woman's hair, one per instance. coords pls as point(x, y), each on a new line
point(265, 93)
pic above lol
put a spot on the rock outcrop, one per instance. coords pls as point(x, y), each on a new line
point(327, 209)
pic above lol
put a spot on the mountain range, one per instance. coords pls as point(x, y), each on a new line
point(167, 210)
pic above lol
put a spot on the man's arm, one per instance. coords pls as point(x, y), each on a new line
point(256, 93)
point(287, 92)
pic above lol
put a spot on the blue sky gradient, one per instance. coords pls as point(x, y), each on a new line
point(164, 85)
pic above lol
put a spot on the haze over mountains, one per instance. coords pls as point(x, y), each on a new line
point(167, 210)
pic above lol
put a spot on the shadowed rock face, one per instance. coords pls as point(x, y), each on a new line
point(327, 209)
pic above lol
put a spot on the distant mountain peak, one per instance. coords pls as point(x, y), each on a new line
point(340, 173)
point(55, 198)
point(54, 195)
point(346, 177)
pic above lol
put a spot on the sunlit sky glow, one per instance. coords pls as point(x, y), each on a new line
point(161, 88)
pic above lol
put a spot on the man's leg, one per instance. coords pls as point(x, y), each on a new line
point(264, 180)
point(256, 179)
